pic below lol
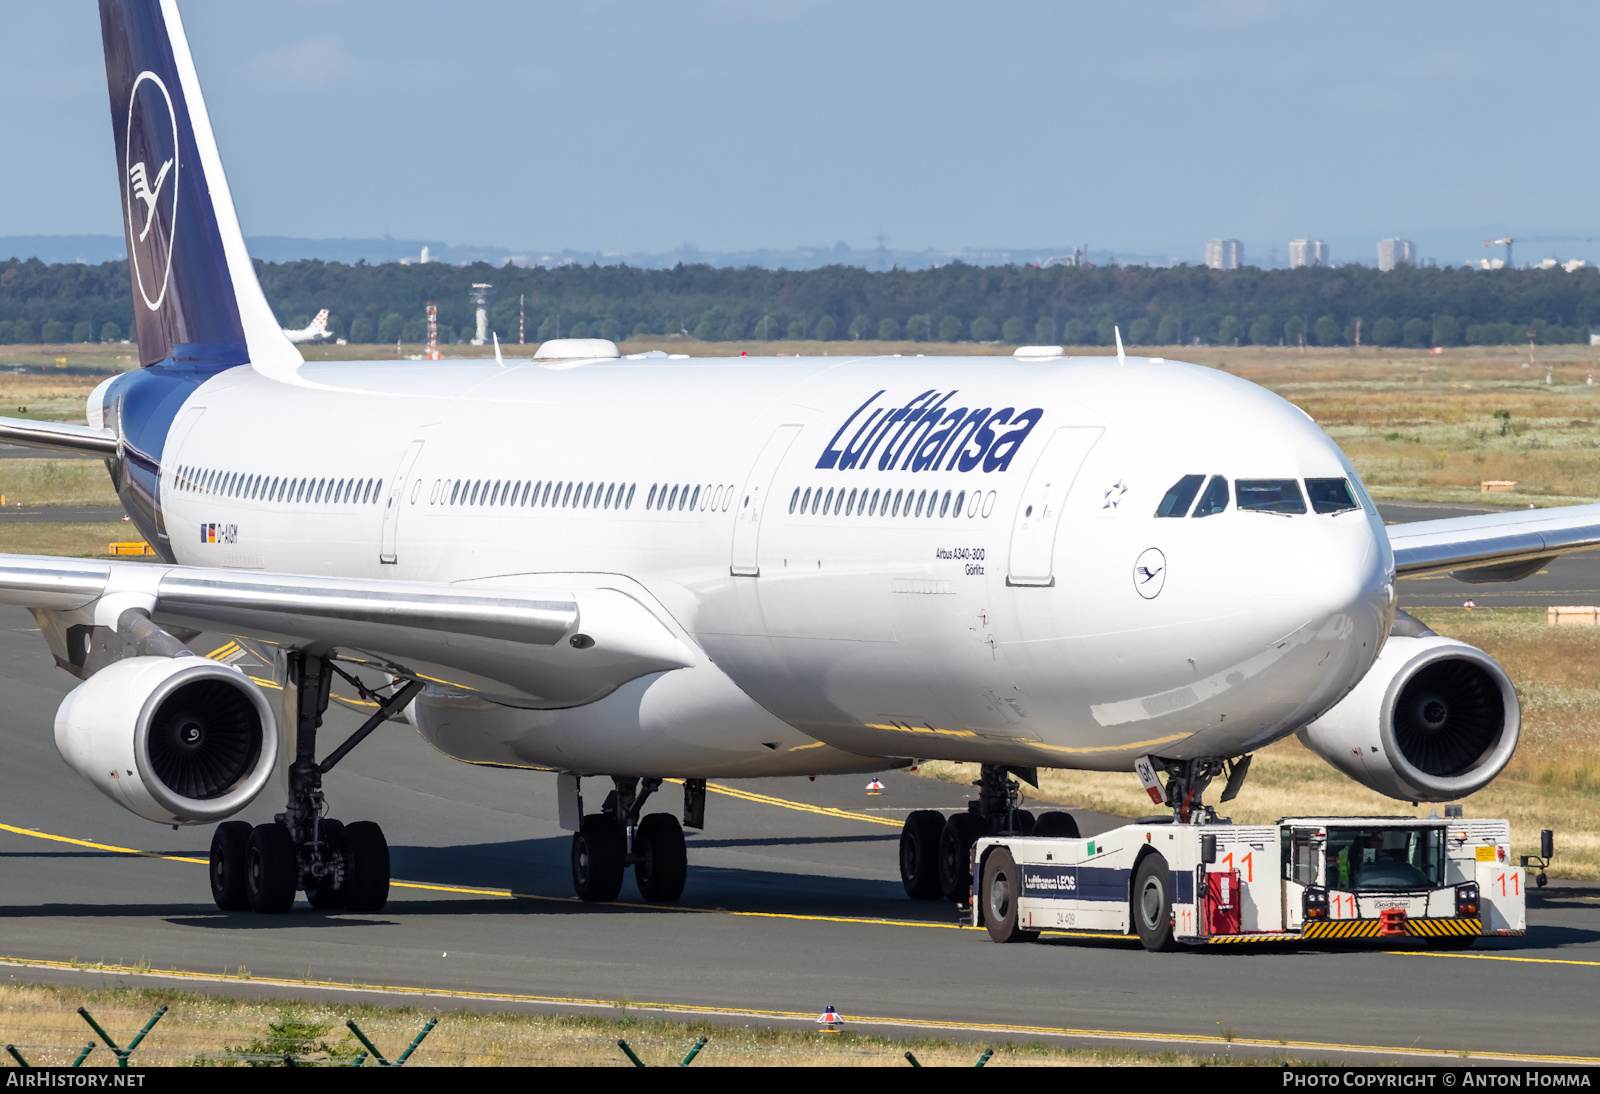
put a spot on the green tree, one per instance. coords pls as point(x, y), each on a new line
point(797, 330)
point(705, 330)
point(53, 333)
point(608, 327)
point(918, 328)
point(361, 330)
point(1075, 332)
point(1350, 331)
point(859, 326)
point(766, 329)
point(1262, 331)
point(1011, 330)
point(1385, 332)
point(1139, 331)
point(300, 322)
point(949, 329)
point(1229, 331)
point(1044, 331)
point(110, 332)
point(641, 330)
point(416, 330)
point(546, 331)
point(888, 329)
point(825, 329)
point(1327, 331)
point(1169, 330)
point(734, 331)
point(82, 331)
point(580, 329)
point(1294, 328)
point(1414, 335)
point(983, 329)
point(1446, 330)
point(391, 326)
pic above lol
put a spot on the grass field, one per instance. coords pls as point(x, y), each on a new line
point(55, 482)
point(85, 540)
point(212, 1030)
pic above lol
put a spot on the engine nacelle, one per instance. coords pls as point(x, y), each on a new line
point(179, 740)
point(1433, 720)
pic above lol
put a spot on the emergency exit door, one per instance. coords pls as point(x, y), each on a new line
point(1033, 536)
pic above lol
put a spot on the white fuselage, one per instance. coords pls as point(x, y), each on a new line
point(1006, 624)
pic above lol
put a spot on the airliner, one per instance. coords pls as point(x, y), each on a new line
point(314, 331)
point(631, 574)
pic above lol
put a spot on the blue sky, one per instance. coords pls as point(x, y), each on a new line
point(1134, 127)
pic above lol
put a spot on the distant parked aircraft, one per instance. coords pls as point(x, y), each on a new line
point(317, 331)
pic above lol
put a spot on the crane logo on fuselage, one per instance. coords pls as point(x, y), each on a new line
point(926, 434)
point(1150, 573)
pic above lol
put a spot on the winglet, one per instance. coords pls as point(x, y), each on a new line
point(1121, 360)
point(501, 361)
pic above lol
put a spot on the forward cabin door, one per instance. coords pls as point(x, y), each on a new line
point(754, 499)
point(391, 507)
point(1033, 536)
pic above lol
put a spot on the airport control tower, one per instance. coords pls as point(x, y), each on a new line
point(480, 301)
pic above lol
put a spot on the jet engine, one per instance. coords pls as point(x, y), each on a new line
point(1433, 720)
point(179, 740)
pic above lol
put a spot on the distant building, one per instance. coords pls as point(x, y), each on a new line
point(1224, 254)
point(1396, 252)
point(1307, 252)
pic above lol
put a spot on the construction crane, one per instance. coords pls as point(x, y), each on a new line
point(1508, 241)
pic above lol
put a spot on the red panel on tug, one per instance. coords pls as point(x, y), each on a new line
point(1222, 902)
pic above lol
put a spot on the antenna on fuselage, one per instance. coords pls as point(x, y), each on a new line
point(497, 358)
point(1121, 360)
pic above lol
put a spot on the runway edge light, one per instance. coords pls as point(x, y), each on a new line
point(830, 1020)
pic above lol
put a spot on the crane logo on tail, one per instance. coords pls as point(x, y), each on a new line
point(152, 137)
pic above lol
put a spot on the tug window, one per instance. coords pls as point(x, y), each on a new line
point(1331, 496)
point(1281, 496)
point(1177, 500)
point(1215, 499)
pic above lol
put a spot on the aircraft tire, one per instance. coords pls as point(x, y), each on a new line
point(961, 831)
point(1056, 825)
point(366, 868)
point(1002, 885)
point(272, 869)
point(1152, 904)
point(597, 859)
point(1022, 823)
point(228, 844)
point(325, 897)
point(919, 854)
point(664, 863)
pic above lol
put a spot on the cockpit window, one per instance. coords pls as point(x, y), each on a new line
point(1177, 500)
point(1271, 496)
point(1331, 495)
point(1215, 499)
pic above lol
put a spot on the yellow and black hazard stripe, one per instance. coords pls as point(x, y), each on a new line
point(1274, 936)
point(1341, 928)
point(1441, 928)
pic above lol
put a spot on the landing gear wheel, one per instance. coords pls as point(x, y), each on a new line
point(366, 868)
point(1057, 825)
point(1002, 885)
point(1022, 823)
point(597, 859)
point(960, 832)
point(327, 897)
point(272, 869)
point(228, 845)
point(663, 864)
point(1152, 904)
point(919, 855)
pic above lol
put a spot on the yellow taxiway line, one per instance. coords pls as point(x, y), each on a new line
point(852, 1020)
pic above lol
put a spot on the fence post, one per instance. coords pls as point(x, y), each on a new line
point(623, 1045)
point(121, 1053)
point(693, 1052)
point(427, 1028)
point(913, 1060)
point(988, 1052)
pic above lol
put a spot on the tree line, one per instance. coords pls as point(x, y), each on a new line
point(1177, 305)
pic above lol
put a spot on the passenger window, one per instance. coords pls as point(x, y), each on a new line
point(1331, 495)
point(650, 499)
point(629, 503)
point(455, 489)
point(544, 499)
point(850, 504)
point(874, 510)
point(898, 494)
point(922, 497)
point(716, 500)
point(1177, 500)
point(694, 501)
point(838, 502)
point(1281, 496)
point(827, 502)
point(611, 492)
point(673, 499)
point(945, 505)
point(589, 497)
point(683, 498)
point(805, 502)
point(566, 494)
point(474, 496)
point(1215, 499)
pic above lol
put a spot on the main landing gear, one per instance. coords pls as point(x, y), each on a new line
point(936, 852)
point(610, 841)
point(336, 865)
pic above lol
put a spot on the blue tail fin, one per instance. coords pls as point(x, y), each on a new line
point(196, 300)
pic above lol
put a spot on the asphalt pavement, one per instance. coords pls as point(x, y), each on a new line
point(793, 903)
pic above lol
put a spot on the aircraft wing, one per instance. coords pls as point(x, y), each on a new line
point(525, 640)
point(1494, 546)
point(62, 436)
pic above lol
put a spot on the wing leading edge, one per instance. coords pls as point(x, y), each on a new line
point(523, 640)
point(1494, 546)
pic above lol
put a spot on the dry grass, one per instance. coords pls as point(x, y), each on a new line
point(88, 540)
point(55, 482)
point(1553, 781)
point(199, 1029)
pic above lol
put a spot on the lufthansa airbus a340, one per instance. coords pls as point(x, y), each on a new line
point(632, 569)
